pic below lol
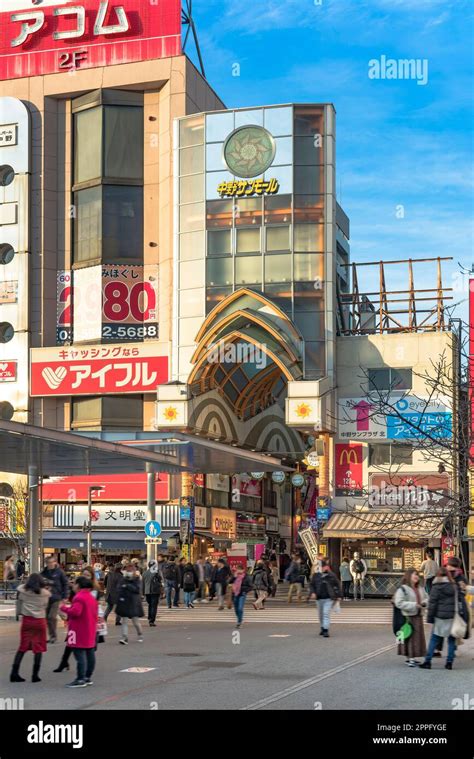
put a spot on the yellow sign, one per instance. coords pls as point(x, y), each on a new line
point(470, 527)
point(246, 188)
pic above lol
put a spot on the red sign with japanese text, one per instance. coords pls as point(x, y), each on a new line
point(8, 370)
point(97, 370)
point(116, 487)
point(51, 36)
point(348, 466)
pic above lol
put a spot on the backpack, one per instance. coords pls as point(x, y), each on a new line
point(359, 567)
point(170, 572)
point(155, 584)
point(188, 578)
point(259, 580)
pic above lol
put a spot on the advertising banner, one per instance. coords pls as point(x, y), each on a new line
point(224, 523)
point(421, 490)
point(247, 486)
point(348, 469)
point(219, 482)
point(9, 291)
point(412, 418)
point(97, 370)
point(116, 487)
point(64, 307)
point(53, 36)
point(8, 371)
point(71, 515)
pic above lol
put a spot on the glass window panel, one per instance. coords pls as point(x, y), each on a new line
point(122, 223)
point(219, 126)
point(220, 213)
point(307, 298)
point(216, 295)
point(309, 238)
point(192, 188)
point(379, 454)
point(309, 121)
point(248, 211)
point(284, 151)
point(309, 180)
point(379, 379)
point(277, 209)
point(248, 270)
point(279, 121)
point(311, 325)
point(213, 180)
point(219, 243)
point(248, 240)
point(278, 238)
point(87, 145)
point(284, 175)
point(191, 131)
point(192, 246)
point(278, 268)
point(191, 160)
point(401, 379)
point(281, 295)
point(123, 142)
point(315, 355)
point(220, 271)
point(191, 217)
point(188, 329)
point(309, 208)
point(191, 303)
point(191, 274)
point(309, 267)
point(243, 118)
point(239, 380)
point(308, 151)
point(231, 391)
point(401, 454)
point(88, 225)
point(214, 158)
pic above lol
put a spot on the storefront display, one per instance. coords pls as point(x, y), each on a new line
point(387, 560)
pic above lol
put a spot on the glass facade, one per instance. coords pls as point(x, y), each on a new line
point(271, 243)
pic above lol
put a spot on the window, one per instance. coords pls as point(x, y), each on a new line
point(383, 454)
point(122, 223)
point(278, 238)
point(390, 379)
point(191, 188)
point(309, 208)
point(309, 238)
point(307, 298)
point(308, 151)
point(191, 161)
point(248, 240)
point(216, 295)
point(191, 274)
point(191, 217)
point(88, 145)
point(123, 142)
point(191, 131)
point(107, 413)
point(278, 209)
point(192, 246)
point(284, 151)
point(248, 270)
point(219, 271)
point(214, 157)
point(309, 180)
point(88, 225)
point(219, 126)
point(248, 211)
point(219, 243)
point(309, 121)
point(309, 267)
point(191, 303)
point(219, 213)
point(279, 121)
point(278, 268)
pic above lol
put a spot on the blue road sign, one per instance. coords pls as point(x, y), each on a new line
point(152, 529)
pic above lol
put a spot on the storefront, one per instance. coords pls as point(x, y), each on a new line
point(223, 531)
point(389, 542)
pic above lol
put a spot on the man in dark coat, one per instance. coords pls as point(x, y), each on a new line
point(112, 582)
point(58, 587)
point(129, 603)
point(327, 589)
point(152, 587)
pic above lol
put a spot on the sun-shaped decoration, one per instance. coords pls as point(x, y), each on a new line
point(170, 414)
point(249, 151)
point(303, 410)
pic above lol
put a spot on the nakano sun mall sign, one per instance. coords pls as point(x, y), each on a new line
point(49, 36)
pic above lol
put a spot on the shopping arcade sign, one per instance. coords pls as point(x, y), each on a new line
point(51, 36)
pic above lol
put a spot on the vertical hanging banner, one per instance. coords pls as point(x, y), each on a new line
point(40, 37)
point(348, 466)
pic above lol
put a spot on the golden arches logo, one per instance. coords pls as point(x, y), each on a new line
point(349, 456)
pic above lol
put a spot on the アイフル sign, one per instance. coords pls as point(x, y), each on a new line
point(53, 36)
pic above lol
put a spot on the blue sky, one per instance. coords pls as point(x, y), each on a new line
point(398, 143)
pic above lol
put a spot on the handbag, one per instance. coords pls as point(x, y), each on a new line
point(405, 632)
point(459, 626)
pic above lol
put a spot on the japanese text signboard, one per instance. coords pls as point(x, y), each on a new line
point(348, 466)
point(51, 36)
point(97, 370)
point(407, 418)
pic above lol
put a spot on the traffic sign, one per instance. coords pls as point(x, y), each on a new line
point(153, 529)
point(153, 541)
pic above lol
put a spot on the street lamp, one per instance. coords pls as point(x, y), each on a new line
point(92, 489)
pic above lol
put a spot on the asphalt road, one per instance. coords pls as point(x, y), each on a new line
point(281, 666)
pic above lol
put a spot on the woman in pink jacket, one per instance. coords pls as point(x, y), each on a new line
point(82, 628)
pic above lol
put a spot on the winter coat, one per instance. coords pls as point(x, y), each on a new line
point(58, 583)
point(208, 569)
point(405, 600)
point(129, 603)
point(325, 585)
point(221, 575)
point(152, 583)
point(260, 579)
point(82, 620)
point(31, 604)
point(294, 572)
point(171, 572)
point(114, 580)
point(345, 572)
point(246, 586)
point(188, 584)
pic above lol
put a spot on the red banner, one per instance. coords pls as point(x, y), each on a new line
point(116, 487)
point(97, 370)
point(8, 370)
point(348, 465)
point(62, 35)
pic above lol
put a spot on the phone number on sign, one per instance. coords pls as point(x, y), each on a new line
point(115, 332)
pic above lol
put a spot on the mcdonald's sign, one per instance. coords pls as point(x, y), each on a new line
point(348, 466)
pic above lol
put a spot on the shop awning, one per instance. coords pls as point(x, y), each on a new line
point(404, 525)
point(101, 539)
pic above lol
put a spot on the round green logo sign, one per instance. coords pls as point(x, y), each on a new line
point(249, 151)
